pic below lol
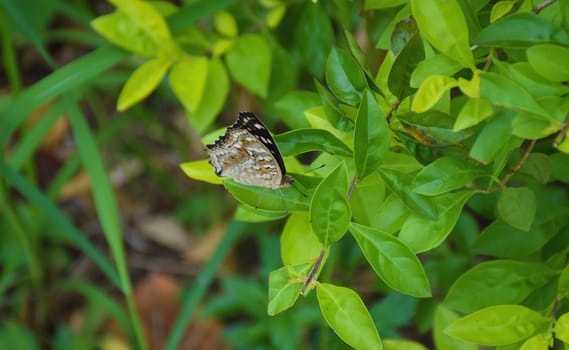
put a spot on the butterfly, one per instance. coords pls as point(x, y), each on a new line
point(248, 154)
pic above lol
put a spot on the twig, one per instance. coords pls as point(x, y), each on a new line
point(512, 172)
point(541, 6)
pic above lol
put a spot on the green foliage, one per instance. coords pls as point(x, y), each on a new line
point(449, 140)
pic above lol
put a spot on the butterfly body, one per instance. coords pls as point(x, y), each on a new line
point(248, 154)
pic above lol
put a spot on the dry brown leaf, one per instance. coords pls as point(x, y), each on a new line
point(165, 231)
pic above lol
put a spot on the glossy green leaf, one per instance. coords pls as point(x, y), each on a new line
point(300, 141)
point(245, 213)
point(249, 61)
point(539, 166)
point(142, 82)
point(430, 92)
point(332, 108)
point(400, 344)
point(438, 64)
point(360, 58)
point(562, 328)
point(493, 138)
point(541, 341)
point(147, 18)
point(391, 259)
point(502, 240)
point(405, 63)
point(121, 30)
point(422, 234)
point(371, 136)
point(500, 9)
point(330, 213)
point(534, 83)
point(433, 128)
point(443, 175)
point(443, 318)
point(16, 336)
point(550, 61)
point(497, 282)
point(473, 112)
point(213, 98)
point(347, 315)
point(400, 184)
point(298, 242)
point(291, 107)
point(285, 285)
point(519, 30)
point(505, 92)
point(533, 127)
point(344, 76)
point(225, 24)
point(563, 284)
point(391, 215)
point(188, 80)
point(286, 199)
point(498, 325)
point(517, 206)
point(443, 24)
point(314, 37)
point(201, 170)
point(367, 198)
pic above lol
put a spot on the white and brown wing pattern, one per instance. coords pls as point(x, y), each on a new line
point(248, 154)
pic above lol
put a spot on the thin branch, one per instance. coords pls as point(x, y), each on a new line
point(541, 6)
point(512, 172)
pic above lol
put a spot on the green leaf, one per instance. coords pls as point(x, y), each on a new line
point(371, 136)
point(344, 76)
point(519, 30)
point(563, 284)
point(550, 61)
point(390, 259)
point(562, 328)
point(438, 64)
point(534, 83)
point(367, 198)
point(391, 214)
point(300, 141)
point(533, 127)
point(400, 184)
point(500, 9)
point(405, 63)
point(473, 112)
point(541, 341)
point(502, 240)
point(495, 137)
point(147, 18)
point(142, 82)
point(330, 213)
point(430, 92)
point(383, 4)
point(504, 92)
point(560, 167)
point(261, 199)
point(498, 325)
point(443, 175)
point(443, 24)
point(347, 315)
point(399, 344)
point(517, 206)
point(314, 37)
point(188, 79)
point(285, 285)
point(121, 30)
point(538, 165)
point(298, 242)
point(422, 234)
point(497, 282)
point(249, 61)
point(201, 170)
point(225, 24)
point(332, 108)
point(443, 318)
point(432, 128)
point(291, 107)
point(213, 97)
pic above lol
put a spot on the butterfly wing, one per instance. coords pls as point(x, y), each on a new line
point(244, 154)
